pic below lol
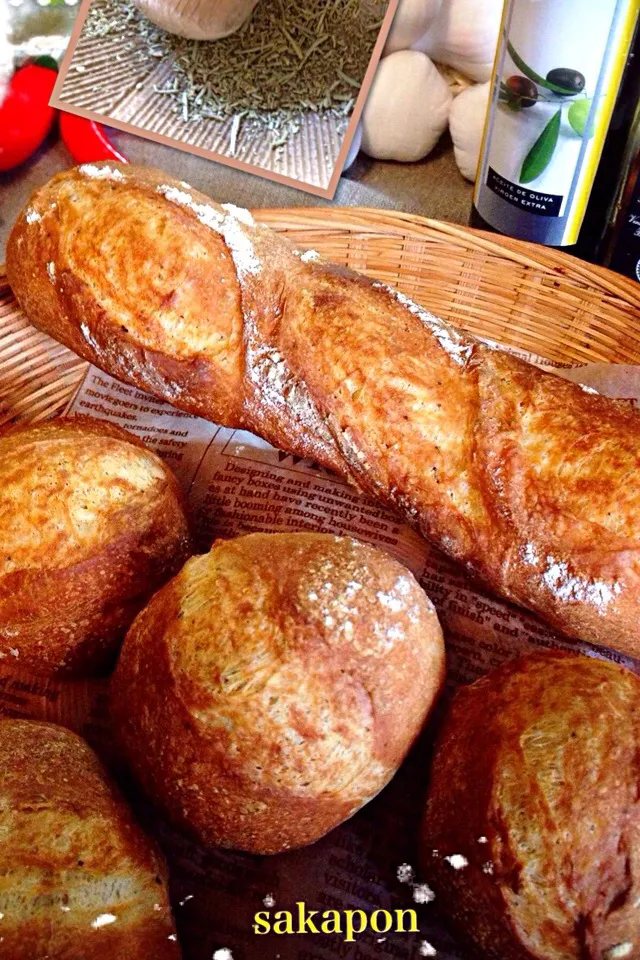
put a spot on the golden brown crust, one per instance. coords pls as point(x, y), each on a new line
point(78, 877)
point(535, 784)
point(527, 480)
point(91, 523)
point(275, 685)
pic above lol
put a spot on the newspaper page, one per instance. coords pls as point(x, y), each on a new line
point(237, 483)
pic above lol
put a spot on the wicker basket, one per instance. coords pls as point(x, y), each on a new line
point(526, 296)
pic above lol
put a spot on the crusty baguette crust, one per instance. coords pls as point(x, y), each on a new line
point(71, 853)
point(534, 783)
point(275, 685)
point(527, 480)
point(91, 523)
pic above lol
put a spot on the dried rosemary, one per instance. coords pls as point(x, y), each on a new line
point(289, 58)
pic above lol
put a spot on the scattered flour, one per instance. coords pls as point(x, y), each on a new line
point(422, 893)
point(457, 861)
point(103, 919)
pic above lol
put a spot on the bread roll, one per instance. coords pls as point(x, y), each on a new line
point(275, 685)
point(527, 480)
point(91, 523)
point(531, 835)
point(78, 878)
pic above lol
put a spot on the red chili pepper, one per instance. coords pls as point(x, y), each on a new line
point(25, 114)
point(86, 140)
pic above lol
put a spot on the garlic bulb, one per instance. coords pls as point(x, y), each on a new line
point(197, 19)
point(464, 35)
point(466, 123)
point(407, 108)
point(411, 21)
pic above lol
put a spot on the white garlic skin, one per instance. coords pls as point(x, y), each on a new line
point(407, 109)
point(464, 35)
point(197, 19)
point(411, 21)
point(466, 123)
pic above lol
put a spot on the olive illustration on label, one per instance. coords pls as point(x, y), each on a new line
point(570, 81)
point(530, 88)
point(521, 91)
point(578, 114)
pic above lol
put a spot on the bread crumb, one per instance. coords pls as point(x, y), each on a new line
point(223, 953)
point(482, 839)
point(103, 919)
point(51, 269)
point(172, 936)
point(14, 651)
point(457, 861)
point(309, 255)
point(422, 893)
point(269, 900)
point(31, 215)
point(405, 873)
point(427, 949)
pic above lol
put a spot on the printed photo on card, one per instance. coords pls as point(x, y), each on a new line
point(273, 87)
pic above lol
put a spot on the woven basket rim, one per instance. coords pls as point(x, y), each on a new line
point(372, 220)
point(521, 295)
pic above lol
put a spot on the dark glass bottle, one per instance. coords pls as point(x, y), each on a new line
point(552, 153)
point(621, 242)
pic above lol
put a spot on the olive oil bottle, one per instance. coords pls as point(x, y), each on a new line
point(621, 241)
point(561, 100)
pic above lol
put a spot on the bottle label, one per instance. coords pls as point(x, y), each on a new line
point(554, 86)
point(626, 253)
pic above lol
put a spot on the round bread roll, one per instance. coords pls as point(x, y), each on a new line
point(275, 685)
point(531, 835)
point(78, 877)
point(91, 523)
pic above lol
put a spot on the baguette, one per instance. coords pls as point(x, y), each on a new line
point(530, 482)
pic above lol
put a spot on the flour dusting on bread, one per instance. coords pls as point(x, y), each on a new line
point(102, 172)
point(567, 586)
point(448, 337)
point(228, 226)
